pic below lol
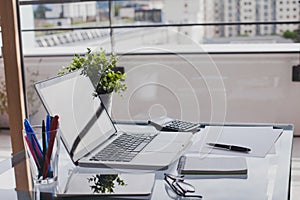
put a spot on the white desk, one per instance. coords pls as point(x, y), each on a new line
point(268, 178)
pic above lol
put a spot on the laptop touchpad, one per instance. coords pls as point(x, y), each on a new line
point(164, 147)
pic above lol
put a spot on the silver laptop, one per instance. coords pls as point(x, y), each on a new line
point(92, 139)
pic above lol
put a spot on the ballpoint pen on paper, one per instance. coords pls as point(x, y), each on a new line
point(230, 147)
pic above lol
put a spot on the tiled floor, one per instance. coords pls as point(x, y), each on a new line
point(5, 151)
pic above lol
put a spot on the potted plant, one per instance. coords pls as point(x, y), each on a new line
point(100, 68)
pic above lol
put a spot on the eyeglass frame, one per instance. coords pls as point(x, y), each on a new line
point(177, 188)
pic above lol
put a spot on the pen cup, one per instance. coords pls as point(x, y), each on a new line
point(43, 161)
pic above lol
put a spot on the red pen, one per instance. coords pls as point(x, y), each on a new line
point(32, 153)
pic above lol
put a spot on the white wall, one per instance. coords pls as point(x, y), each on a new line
point(257, 87)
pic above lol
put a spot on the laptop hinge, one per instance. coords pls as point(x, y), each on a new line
point(86, 129)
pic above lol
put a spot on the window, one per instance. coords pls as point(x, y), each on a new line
point(64, 25)
point(64, 28)
point(53, 31)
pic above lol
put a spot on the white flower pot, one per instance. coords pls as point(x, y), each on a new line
point(107, 101)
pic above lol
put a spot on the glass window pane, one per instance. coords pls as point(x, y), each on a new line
point(65, 15)
point(38, 69)
point(77, 38)
point(87, 14)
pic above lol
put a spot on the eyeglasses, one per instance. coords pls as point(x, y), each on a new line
point(180, 187)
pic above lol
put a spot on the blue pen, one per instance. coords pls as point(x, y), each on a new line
point(28, 127)
point(32, 137)
point(48, 123)
point(29, 130)
point(34, 143)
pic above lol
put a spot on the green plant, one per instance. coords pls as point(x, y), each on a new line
point(100, 69)
point(3, 98)
point(104, 183)
point(291, 35)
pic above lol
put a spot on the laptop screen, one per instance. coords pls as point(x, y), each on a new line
point(83, 121)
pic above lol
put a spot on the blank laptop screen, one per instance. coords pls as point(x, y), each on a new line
point(81, 115)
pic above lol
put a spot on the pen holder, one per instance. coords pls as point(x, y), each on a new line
point(43, 161)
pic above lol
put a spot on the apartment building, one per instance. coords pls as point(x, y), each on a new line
point(187, 11)
point(81, 11)
point(287, 10)
point(252, 11)
point(214, 12)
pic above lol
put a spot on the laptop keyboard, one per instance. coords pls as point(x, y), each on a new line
point(124, 148)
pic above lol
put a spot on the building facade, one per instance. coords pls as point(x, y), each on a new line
point(186, 11)
point(251, 11)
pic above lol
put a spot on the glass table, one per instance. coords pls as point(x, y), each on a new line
point(268, 177)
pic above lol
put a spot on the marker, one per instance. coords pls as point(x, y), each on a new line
point(230, 147)
point(53, 129)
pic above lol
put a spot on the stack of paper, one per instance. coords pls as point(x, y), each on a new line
point(259, 139)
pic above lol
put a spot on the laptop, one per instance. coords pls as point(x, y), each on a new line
point(90, 136)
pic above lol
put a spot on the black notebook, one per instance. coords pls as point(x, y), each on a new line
point(214, 167)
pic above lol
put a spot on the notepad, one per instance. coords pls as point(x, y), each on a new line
point(214, 167)
point(259, 139)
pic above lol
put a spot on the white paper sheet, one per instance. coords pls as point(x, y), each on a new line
point(259, 139)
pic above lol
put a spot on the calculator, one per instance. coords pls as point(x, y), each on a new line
point(176, 125)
